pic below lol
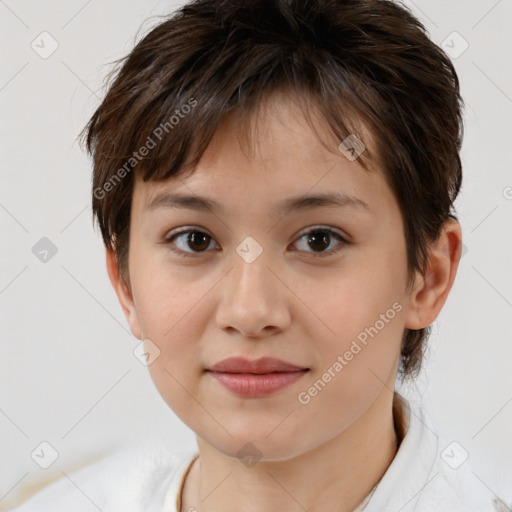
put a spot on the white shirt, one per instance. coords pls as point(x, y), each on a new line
point(426, 475)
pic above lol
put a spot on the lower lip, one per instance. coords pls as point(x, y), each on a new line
point(250, 385)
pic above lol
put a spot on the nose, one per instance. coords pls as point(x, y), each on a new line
point(254, 301)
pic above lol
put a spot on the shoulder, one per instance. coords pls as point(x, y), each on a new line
point(430, 473)
point(452, 484)
point(132, 479)
point(457, 489)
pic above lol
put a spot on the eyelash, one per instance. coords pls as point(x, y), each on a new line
point(169, 241)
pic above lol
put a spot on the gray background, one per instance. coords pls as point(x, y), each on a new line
point(69, 377)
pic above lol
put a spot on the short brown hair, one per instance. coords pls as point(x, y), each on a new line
point(353, 61)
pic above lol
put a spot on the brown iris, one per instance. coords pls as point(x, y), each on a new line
point(322, 239)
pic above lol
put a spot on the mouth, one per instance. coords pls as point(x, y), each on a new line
point(258, 378)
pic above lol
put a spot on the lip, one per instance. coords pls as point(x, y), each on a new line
point(258, 366)
point(252, 379)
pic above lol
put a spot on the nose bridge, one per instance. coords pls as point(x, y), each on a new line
point(251, 275)
point(251, 299)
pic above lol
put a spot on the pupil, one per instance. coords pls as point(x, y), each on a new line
point(196, 236)
point(324, 239)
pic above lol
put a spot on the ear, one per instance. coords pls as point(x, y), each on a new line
point(431, 289)
point(124, 294)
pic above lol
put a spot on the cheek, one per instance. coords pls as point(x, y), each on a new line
point(362, 316)
point(168, 304)
point(169, 310)
point(358, 359)
point(162, 296)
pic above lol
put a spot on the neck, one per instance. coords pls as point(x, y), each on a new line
point(334, 477)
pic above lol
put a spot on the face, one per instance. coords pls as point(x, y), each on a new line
point(318, 286)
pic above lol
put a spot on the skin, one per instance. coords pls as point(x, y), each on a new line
point(288, 303)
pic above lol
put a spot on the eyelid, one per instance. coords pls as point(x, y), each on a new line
point(342, 238)
point(340, 235)
point(322, 227)
point(168, 240)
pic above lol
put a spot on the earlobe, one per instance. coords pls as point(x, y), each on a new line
point(124, 294)
point(431, 289)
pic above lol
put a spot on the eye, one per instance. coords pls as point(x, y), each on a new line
point(198, 240)
point(318, 238)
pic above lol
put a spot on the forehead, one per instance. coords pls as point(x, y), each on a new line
point(273, 154)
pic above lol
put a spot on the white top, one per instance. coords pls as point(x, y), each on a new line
point(427, 474)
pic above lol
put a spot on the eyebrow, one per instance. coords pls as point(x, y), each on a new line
point(204, 204)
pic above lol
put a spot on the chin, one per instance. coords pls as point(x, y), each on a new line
point(253, 444)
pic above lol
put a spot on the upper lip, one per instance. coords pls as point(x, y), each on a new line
point(262, 365)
